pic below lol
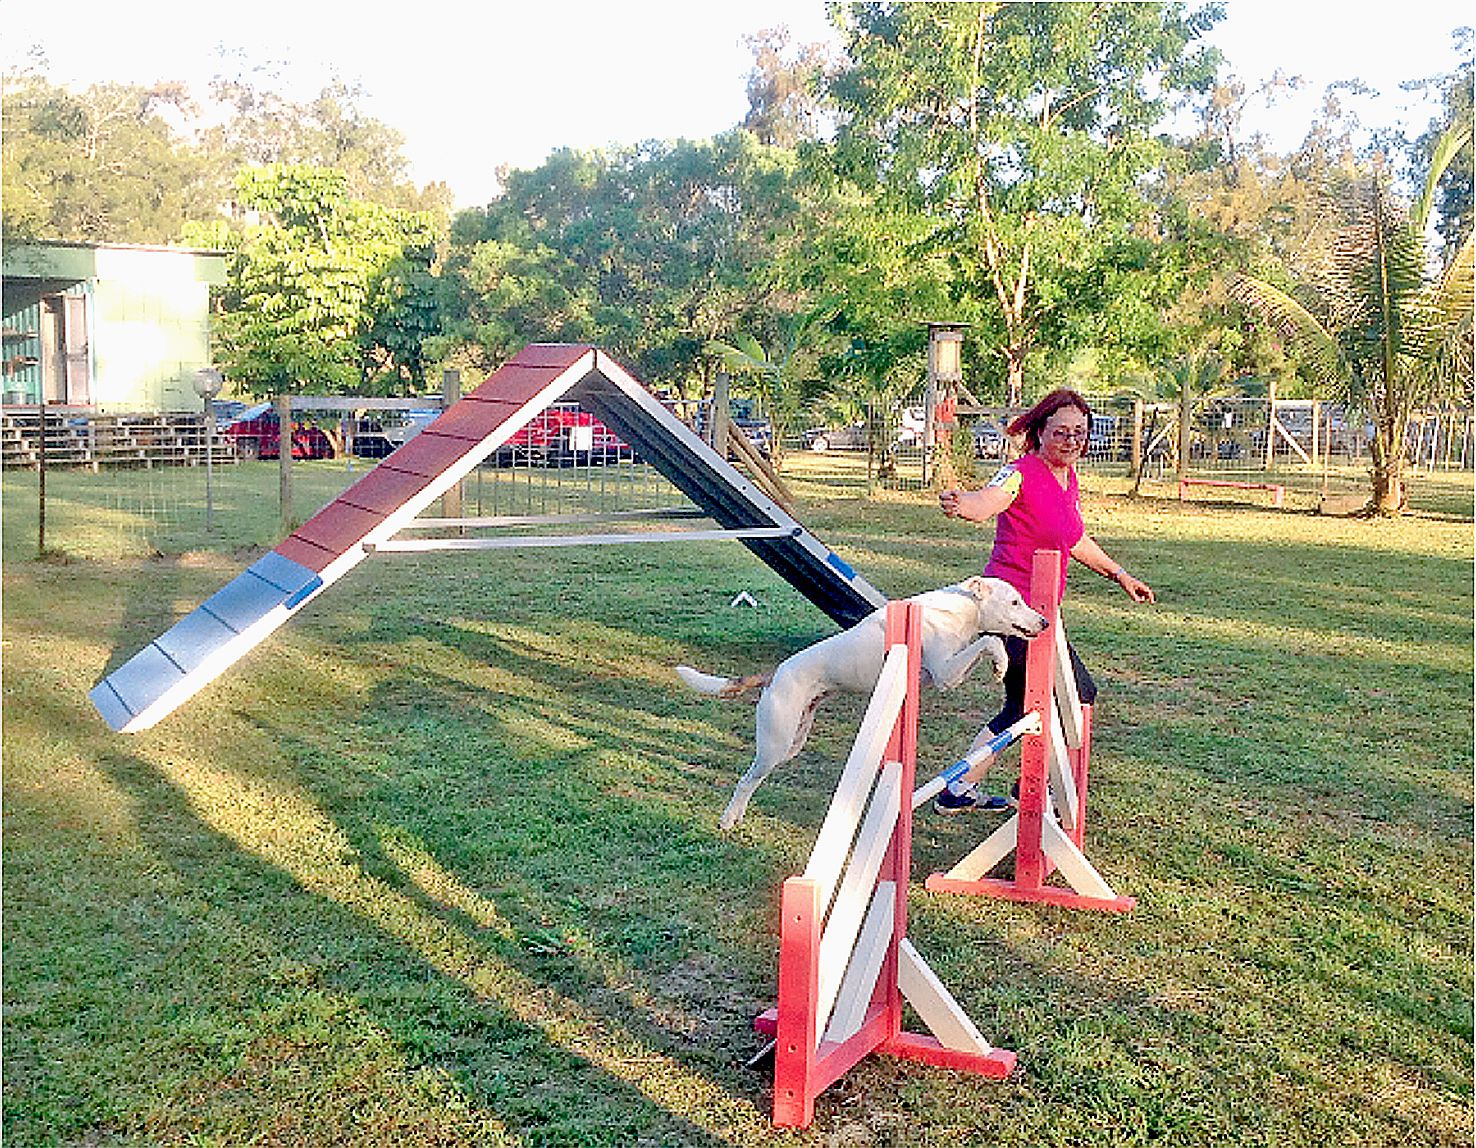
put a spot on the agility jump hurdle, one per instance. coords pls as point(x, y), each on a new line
point(1047, 831)
point(845, 964)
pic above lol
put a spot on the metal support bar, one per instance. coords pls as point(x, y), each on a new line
point(554, 519)
point(422, 545)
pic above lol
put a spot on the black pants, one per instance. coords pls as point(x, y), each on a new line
point(1014, 683)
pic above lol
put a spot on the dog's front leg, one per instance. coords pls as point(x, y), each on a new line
point(953, 670)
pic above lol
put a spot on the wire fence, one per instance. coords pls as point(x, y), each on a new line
point(163, 497)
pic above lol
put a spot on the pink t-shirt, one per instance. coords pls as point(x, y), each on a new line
point(1043, 516)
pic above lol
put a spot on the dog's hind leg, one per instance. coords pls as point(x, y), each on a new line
point(802, 731)
point(782, 723)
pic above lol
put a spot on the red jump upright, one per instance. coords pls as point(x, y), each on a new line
point(1047, 831)
point(845, 964)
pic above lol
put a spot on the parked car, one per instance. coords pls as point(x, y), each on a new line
point(376, 438)
point(989, 440)
point(852, 437)
point(910, 426)
point(562, 435)
point(226, 411)
point(743, 413)
point(257, 434)
point(1102, 440)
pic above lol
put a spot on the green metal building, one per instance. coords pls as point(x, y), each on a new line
point(112, 327)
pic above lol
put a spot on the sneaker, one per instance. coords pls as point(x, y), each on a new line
point(948, 803)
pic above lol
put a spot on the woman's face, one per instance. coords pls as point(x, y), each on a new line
point(1063, 438)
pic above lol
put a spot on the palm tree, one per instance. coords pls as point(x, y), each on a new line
point(775, 375)
point(1380, 330)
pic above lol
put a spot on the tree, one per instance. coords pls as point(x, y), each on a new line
point(784, 91)
point(1374, 326)
point(326, 293)
point(650, 251)
point(101, 165)
point(1022, 131)
point(258, 127)
point(1453, 203)
point(778, 376)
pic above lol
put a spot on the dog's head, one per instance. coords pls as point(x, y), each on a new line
point(1002, 609)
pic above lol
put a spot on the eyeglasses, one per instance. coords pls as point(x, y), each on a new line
point(1068, 435)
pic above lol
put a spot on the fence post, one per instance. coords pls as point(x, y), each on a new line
point(41, 482)
point(284, 461)
point(719, 427)
point(1270, 425)
point(450, 396)
point(1135, 452)
point(1186, 429)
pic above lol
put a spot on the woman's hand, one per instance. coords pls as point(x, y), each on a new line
point(974, 505)
point(1135, 589)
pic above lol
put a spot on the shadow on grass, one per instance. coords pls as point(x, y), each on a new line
point(517, 1022)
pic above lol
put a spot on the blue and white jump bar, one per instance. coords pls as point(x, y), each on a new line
point(1029, 724)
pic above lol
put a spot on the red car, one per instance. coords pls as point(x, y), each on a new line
point(257, 434)
point(562, 435)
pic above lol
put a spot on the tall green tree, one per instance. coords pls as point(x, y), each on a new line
point(136, 163)
point(99, 165)
point(1369, 320)
point(1023, 133)
point(784, 105)
point(650, 251)
point(325, 293)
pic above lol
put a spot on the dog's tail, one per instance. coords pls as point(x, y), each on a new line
point(717, 687)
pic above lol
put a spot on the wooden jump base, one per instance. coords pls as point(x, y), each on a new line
point(1047, 832)
point(1278, 492)
point(843, 975)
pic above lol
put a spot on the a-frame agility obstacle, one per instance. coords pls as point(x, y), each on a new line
point(369, 516)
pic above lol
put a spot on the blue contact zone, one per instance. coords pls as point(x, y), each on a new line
point(840, 564)
point(167, 661)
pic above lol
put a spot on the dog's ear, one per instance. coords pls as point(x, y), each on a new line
point(978, 586)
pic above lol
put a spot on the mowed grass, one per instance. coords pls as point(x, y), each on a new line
point(438, 863)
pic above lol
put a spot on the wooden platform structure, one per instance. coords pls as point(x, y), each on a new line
point(369, 517)
point(79, 437)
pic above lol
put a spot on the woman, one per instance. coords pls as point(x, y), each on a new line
point(1037, 502)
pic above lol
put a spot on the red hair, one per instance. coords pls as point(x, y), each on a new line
point(1034, 420)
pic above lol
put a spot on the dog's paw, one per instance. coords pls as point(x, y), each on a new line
point(999, 660)
point(733, 813)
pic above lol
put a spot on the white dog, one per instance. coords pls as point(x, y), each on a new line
point(960, 625)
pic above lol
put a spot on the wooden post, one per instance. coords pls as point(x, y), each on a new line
point(904, 623)
point(1040, 672)
point(1270, 425)
point(283, 404)
point(1135, 452)
point(799, 988)
point(450, 396)
point(1186, 429)
point(719, 425)
point(41, 481)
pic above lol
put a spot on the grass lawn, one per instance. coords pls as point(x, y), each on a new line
point(438, 863)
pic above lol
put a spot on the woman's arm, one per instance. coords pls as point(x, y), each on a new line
point(1094, 558)
point(983, 504)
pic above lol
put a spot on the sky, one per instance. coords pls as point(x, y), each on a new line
point(471, 93)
